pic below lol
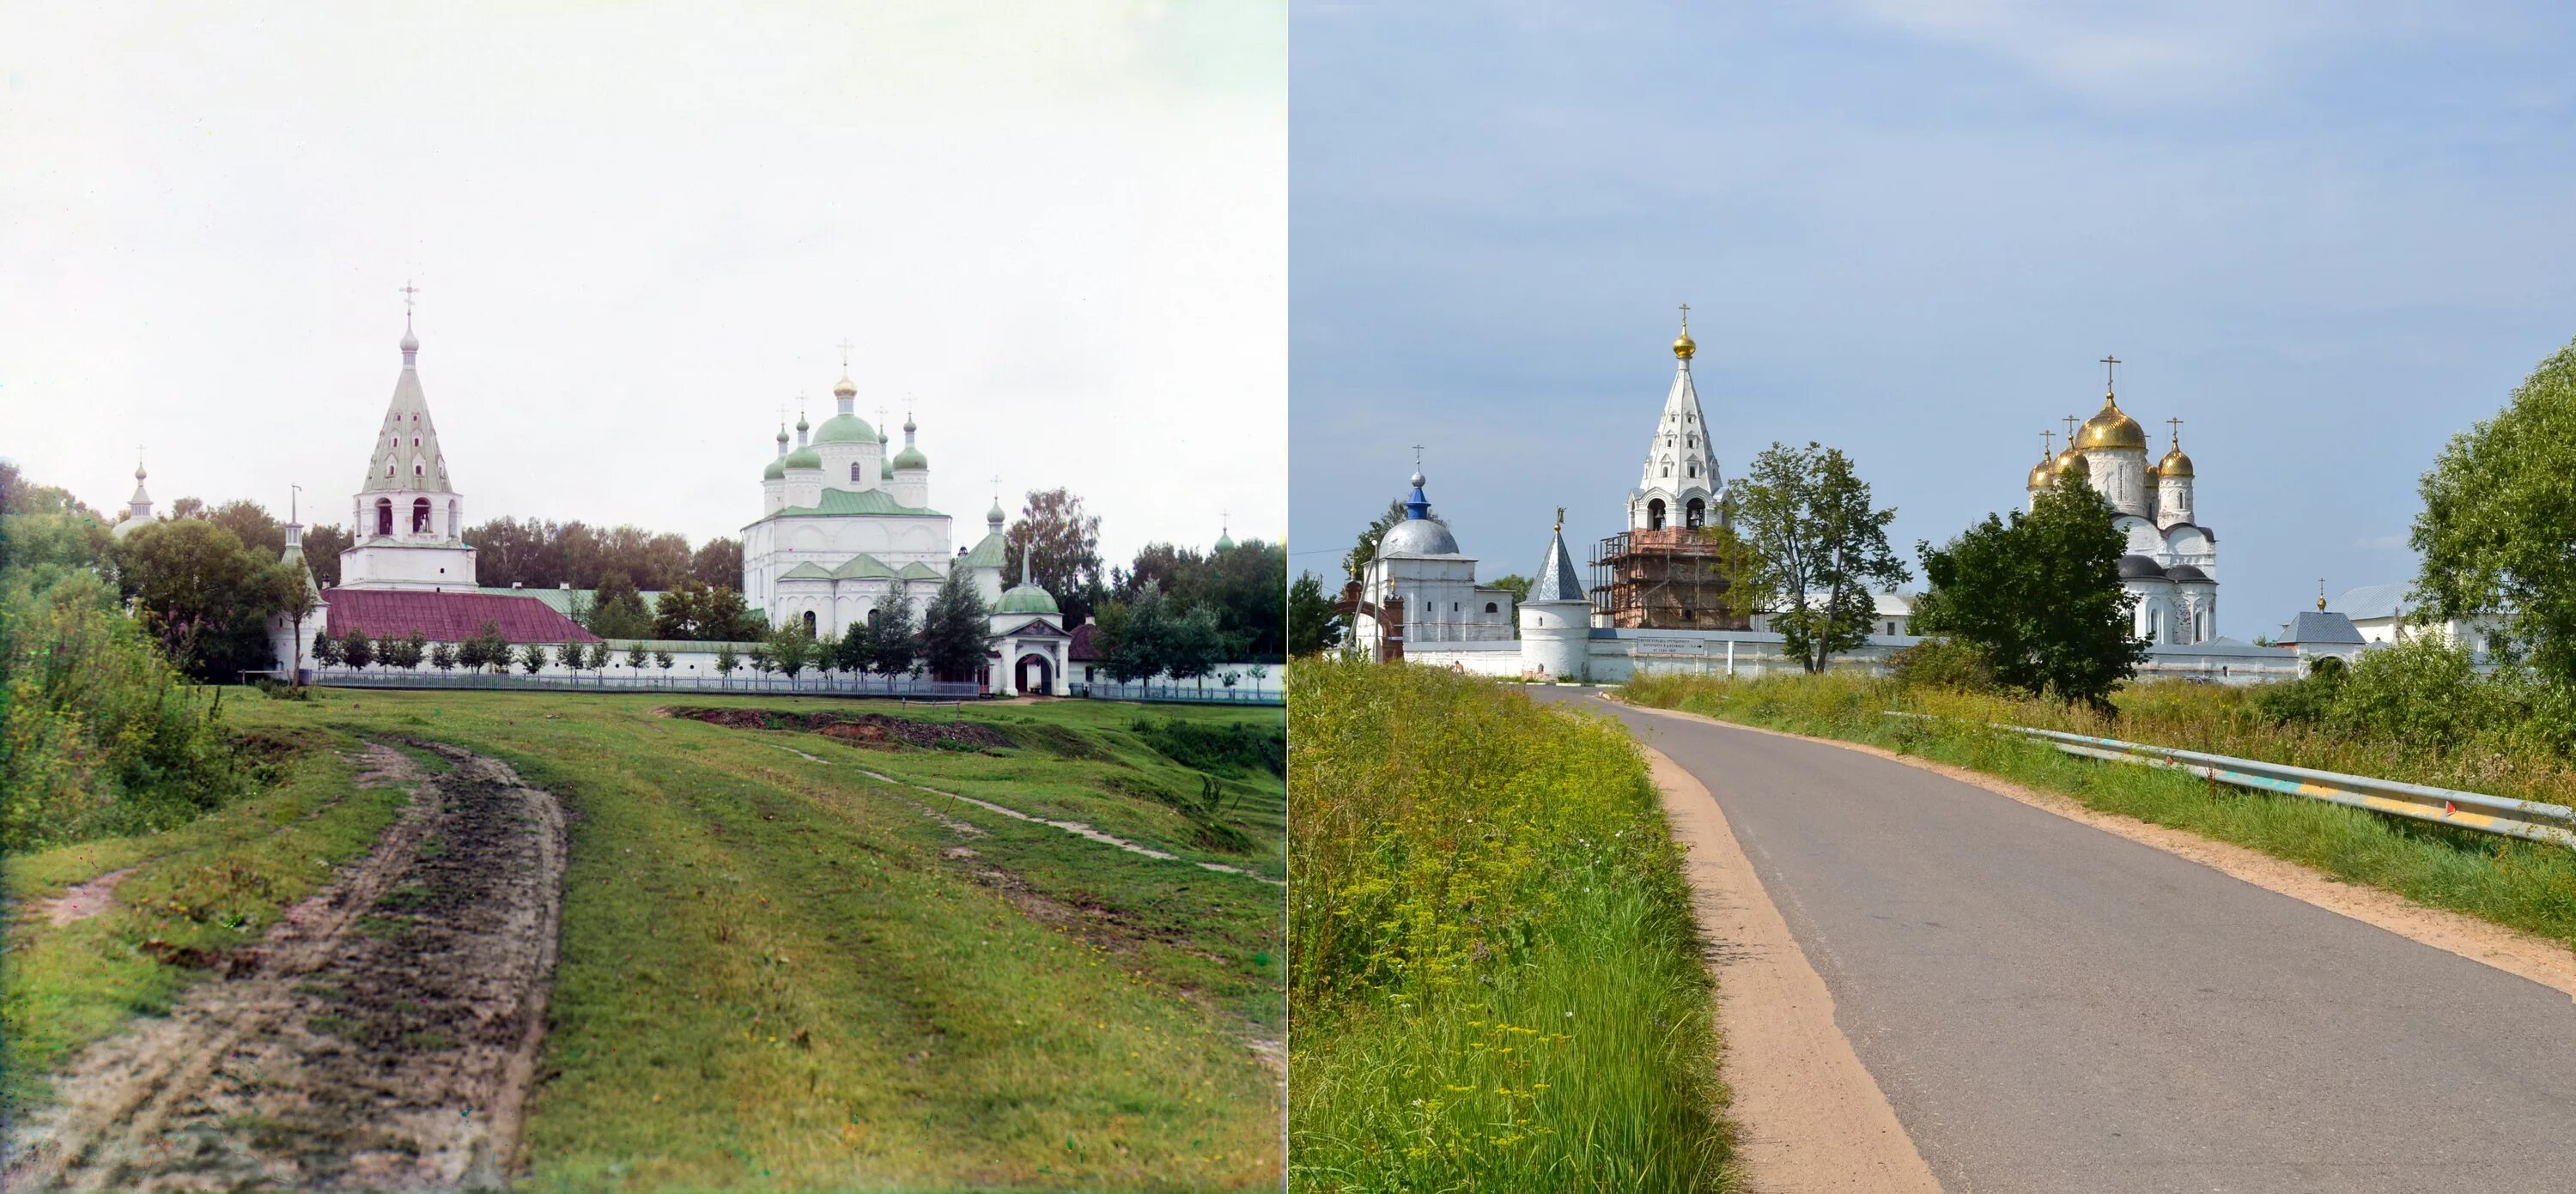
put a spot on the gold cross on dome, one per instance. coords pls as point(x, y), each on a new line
point(2070, 431)
point(2176, 424)
point(845, 347)
point(2047, 444)
point(1685, 317)
point(2109, 364)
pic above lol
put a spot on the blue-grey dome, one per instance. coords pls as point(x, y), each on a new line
point(2140, 568)
point(1418, 537)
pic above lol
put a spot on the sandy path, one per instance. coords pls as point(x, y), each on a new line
point(1809, 1115)
point(382, 1036)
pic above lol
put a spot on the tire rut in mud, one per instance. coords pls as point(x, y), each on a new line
point(382, 1036)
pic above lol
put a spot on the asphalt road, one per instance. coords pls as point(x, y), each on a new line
point(2052, 1008)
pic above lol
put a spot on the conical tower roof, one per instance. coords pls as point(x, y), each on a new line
point(1557, 580)
point(407, 455)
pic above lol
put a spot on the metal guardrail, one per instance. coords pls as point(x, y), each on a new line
point(1108, 690)
point(2529, 819)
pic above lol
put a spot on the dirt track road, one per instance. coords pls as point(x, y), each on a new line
point(382, 1036)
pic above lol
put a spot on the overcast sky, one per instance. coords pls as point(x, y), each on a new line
point(1057, 232)
point(2327, 237)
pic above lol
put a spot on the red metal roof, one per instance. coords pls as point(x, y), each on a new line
point(448, 617)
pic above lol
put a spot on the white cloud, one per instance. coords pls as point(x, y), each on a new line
point(2137, 53)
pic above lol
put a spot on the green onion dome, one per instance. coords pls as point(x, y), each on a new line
point(776, 471)
point(911, 458)
point(1026, 599)
point(805, 457)
point(845, 429)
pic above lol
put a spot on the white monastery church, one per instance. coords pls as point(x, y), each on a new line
point(845, 530)
point(1419, 600)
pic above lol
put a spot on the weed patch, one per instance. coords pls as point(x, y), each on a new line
point(1493, 971)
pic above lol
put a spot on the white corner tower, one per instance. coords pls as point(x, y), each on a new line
point(407, 520)
point(1556, 617)
point(1679, 487)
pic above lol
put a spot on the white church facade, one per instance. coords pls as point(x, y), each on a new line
point(846, 528)
point(1566, 632)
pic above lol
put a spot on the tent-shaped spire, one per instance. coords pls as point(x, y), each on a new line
point(1680, 456)
point(407, 455)
point(1557, 580)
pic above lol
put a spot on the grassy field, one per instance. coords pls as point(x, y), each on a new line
point(2525, 885)
point(777, 973)
point(1495, 983)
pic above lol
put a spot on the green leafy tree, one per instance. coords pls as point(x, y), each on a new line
point(203, 595)
point(2037, 596)
point(532, 658)
point(2498, 520)
point(1314, 626)
point(726, 660)
point(570, 656)
point(406, 652)
point(297, 602)
point(496, 649)
point(662, 659)
point(1193, 646)
point(599, 655)
point(443, 656)
point(322, 548)
point(1818, 549)
point(891, 639)
point(760, 659)
point(857, 650)
point(327, 651)
point(953, 629)
point(790, 649)
point(1134, 637)
point(617, 610)
point(357, 649)
point(635, 656)
point(1063, 546)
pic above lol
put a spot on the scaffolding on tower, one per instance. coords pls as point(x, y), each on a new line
point(1673, 578)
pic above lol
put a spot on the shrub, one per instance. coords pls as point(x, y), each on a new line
point(1943, 662)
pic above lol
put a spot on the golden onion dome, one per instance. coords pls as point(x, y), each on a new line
point(2043, 474)
point(2072, 461)
point(1683, 345)
point(2112, 428)
point(2175, 464)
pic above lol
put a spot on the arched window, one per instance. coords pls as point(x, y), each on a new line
point(1492, 608)
point(854, 471)
point(1694, 468)
point(1695, 515)
point(384, 516)
point(389, 468)
point(809, 621)
point(1694, 441)
point(1668, 468)
point(2155, 625)
point(420, 516)
point(1655, 515)
point(416, 470)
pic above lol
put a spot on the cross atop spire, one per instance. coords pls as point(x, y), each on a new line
point(845, 347)
point(2110, 365)
point(2176, 424)
point(1560, 511)
point(2070, 431)
point(2047, 443)
point(1685, 319)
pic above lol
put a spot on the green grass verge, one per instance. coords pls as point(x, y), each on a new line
point(779, 974)
point(209, 886)
point(2520, 884)
point(1495, 980)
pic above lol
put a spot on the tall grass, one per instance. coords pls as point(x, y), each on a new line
point(1494, 980)
point(99, 735)
point(2525, 885)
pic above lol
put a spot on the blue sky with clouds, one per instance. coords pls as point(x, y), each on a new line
point(2327, 237)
